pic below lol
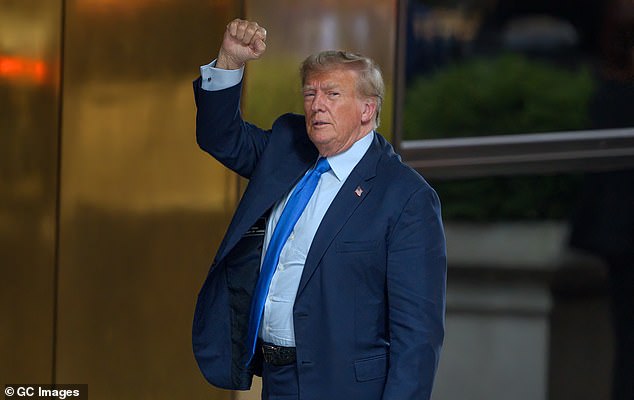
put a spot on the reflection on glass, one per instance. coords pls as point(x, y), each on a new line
point(141, 207)
point(496, 67)
point(501, 67)
point(30, 32)
point(490, 199)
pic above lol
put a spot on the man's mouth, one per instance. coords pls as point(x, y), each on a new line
point(318, 124)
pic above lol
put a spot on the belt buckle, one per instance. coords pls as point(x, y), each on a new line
point(276, 355)
point(268, 352)
point(268, 346)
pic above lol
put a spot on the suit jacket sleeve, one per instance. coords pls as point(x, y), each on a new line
point(416, 281)
point(221, 131)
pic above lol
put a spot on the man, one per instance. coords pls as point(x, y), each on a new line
point(330, 281)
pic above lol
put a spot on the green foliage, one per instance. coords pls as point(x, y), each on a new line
point(509, 198)
point(506, 95)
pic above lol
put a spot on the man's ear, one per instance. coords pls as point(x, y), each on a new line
point(368, 111)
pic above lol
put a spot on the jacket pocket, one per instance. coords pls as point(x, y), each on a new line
point(371, 368)
point(349, 247)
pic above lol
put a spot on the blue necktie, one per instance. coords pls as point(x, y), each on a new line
point(292, 211)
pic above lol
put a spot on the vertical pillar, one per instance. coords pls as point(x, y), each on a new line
point(29, 134)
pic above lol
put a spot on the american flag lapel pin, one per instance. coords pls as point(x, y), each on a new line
point(358, 191)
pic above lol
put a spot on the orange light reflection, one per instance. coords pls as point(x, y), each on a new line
point(23, 69)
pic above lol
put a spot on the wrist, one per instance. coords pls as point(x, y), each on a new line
point(226, 62)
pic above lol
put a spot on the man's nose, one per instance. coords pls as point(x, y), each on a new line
point(318, 102)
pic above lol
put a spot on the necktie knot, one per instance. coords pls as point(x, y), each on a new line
point(322, 165)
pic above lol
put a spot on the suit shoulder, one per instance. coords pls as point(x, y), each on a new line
point(290, 130)
point(397, 171)
point(289, 121)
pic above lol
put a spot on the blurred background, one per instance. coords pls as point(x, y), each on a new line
point(519, 112)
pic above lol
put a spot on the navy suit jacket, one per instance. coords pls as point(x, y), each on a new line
point(369, 311)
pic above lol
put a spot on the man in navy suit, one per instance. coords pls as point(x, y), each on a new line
point(353, 307)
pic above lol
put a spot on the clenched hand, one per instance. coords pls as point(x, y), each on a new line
point(243, 41)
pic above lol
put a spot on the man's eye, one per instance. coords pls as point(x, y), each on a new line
point(333, 94)
point(309, 94)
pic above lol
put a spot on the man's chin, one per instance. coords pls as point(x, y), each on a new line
point(320, 137)
point(324, 145)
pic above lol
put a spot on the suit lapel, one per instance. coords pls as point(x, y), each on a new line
point(263, 191)
point(354, 190)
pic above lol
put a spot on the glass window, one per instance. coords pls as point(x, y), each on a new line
point(478, 68)
point(492, 67)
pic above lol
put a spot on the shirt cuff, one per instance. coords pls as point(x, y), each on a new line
point(218, 79)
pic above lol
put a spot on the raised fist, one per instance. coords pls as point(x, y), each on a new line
point(243, 41)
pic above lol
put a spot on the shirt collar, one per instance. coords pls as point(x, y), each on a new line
point(342, 164)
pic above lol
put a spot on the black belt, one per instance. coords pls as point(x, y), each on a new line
point(278, 355)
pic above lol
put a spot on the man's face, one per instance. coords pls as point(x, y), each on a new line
point(336, 116)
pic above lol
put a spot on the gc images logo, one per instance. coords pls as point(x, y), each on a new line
point(59, 392)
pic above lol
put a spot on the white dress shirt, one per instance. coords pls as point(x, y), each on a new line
point(218, 79)
point(277, 321)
